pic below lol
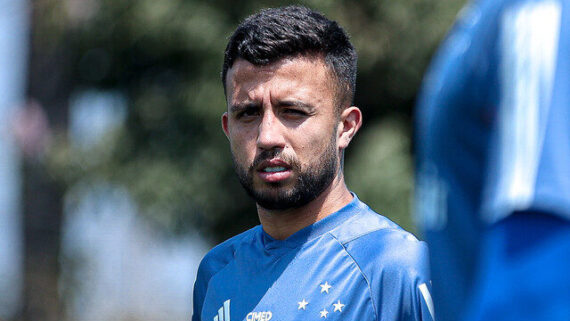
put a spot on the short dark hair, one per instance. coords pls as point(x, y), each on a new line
point(276, 33)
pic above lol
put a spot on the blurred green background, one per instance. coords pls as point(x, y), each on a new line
point(162, 59)
point(165, 57)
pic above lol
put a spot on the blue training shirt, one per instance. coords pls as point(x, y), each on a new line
point(352, 265)
point(493, 133)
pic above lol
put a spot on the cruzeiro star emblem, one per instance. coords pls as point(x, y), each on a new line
point(325, 287)
point(302, 305)
point(338, 306)
point(323, 313)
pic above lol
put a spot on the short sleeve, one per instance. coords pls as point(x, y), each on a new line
point(396, 265)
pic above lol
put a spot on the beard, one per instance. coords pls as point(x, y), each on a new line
point(309, 184)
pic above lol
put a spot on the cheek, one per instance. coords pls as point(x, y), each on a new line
point(314, 146)
point(242, 146)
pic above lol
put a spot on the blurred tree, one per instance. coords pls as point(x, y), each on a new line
point(49, 86)
point(165, 56)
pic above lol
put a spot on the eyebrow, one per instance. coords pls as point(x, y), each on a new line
point(295, 103)
point(237, 107)
point(285, 103)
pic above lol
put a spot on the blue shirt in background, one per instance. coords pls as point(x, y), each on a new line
point(493, 140)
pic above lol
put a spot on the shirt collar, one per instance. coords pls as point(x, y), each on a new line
point(314, 230)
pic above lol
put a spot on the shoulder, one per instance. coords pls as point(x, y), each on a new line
point(372, 239)
point(222, 254)
point(390, 250)
point(214, 261)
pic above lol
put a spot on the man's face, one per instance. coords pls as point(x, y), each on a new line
point(282, 127)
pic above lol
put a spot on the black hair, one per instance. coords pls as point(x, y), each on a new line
point(277, 33)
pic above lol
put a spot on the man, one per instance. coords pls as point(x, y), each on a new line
point(289, 76)
point(494, 163)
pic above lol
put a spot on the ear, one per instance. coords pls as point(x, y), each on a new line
point(350, 122)
point(225, 124)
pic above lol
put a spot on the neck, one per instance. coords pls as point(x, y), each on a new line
point(283, 223)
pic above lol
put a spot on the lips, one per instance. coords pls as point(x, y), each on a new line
point(274, 171)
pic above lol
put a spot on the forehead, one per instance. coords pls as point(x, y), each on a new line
point(296, 74)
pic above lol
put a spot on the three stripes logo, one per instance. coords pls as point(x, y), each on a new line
point(223, 312)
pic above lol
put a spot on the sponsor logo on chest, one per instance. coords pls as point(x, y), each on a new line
point(259, 316)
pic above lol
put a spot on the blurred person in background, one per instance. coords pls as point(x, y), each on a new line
point(493, 168)
point(289, 78)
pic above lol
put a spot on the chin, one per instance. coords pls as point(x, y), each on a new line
point(274, 193)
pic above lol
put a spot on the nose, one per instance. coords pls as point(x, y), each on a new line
point(270, 135)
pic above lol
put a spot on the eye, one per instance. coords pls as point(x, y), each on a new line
point(248, 112)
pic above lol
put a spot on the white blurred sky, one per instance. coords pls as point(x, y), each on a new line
point(117, 267)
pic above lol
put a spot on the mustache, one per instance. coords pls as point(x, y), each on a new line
point(266, 155)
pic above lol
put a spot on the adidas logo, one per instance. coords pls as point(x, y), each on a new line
point(223, 312)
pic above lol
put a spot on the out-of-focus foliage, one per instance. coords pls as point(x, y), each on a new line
point(380, 170)
point(165, 56)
